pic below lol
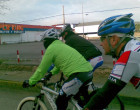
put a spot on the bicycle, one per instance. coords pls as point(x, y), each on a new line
point(118, 102)
point(45, 100)
point(49, 92)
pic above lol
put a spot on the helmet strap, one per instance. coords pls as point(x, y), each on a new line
point(111, 48)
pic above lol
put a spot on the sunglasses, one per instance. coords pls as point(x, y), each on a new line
point(103, 38)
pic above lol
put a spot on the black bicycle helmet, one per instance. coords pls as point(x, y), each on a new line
point(66, 28)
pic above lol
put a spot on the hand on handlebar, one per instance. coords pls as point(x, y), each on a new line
point(26, 84)
point(48, 76)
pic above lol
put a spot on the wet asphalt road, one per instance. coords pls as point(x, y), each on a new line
point(10, 98)
point(26, 50)
point(32, 51)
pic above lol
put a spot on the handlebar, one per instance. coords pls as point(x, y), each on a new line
point(46, 79)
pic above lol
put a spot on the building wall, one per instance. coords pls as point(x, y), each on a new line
point(90, 28)
point(28, 36)
point(16, 33)
point(10, 38)
point(31, 36)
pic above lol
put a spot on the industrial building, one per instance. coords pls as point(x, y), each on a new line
point(17, 33)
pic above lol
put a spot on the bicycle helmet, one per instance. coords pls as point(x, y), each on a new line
point(50, 33)
point(121, 25)
point(49, 36)
point(66, 28)
point(117, 24)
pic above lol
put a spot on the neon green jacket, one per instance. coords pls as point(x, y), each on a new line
point(65, 59)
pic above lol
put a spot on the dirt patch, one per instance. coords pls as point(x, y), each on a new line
point(101, 75)
point(17, 67)
point(137, 34)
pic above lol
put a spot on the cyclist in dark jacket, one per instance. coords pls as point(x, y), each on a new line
point(83, 46)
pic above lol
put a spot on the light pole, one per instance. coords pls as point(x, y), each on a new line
point(63, 17)
point(83, 20)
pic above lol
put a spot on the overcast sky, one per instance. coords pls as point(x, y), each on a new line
point(49, 12)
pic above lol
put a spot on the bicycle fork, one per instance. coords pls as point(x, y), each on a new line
point(49, 101)
point(36, 105)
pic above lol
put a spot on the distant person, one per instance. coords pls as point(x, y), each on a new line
point(117, 40)
point(66, 59)
point(83, 46)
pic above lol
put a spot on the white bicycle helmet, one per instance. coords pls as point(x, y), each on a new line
point(50, 33)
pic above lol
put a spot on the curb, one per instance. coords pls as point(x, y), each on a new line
point(8, 83)
point(17, 85)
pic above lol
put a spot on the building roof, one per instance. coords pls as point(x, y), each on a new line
point(96, 23)
point(89, 23)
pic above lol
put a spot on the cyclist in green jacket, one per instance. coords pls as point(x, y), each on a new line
point(67, 60)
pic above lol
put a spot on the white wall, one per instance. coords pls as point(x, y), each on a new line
point(10, 38)
point(91, 28)
point(28, 36)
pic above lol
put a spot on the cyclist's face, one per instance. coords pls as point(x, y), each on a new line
point(105, 46)
point(113, 42)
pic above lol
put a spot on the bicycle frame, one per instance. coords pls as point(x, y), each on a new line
point(47, 91)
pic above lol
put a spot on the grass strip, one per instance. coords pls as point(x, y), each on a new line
point(18, 85)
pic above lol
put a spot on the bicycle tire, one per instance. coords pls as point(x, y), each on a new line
point(31, 100)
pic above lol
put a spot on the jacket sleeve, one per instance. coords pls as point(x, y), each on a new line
point(55, 70)
point(104, 95)
point(43, 68)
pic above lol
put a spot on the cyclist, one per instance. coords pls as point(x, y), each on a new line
point(66, 59)
point(117, 40)
point(83, 46)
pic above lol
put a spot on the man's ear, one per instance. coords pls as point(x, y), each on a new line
point(63, 36)
point(66, 33)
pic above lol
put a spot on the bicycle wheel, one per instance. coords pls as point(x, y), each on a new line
point(28, 104)
point(116, 104)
